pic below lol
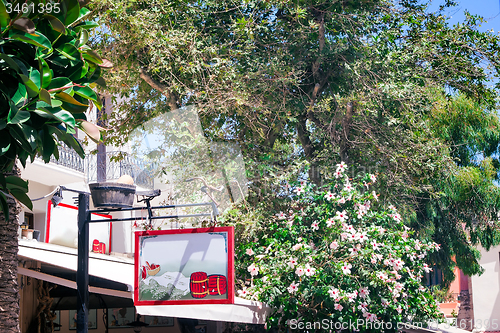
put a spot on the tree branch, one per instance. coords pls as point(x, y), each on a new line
point(163, 89)
point(346, 127)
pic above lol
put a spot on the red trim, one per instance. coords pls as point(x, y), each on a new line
point(47, 222)
point(230, 266)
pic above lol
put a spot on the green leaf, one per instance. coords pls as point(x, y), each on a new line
point(60, 82)
point(85, 25)
point(3, 182)
point(36, 39)
point(67, 98)
point(15, 116)
point(70, 10)
point(47, 73)
point(16, 182)
point(4, 16)
point(35, 78)
point(88, 93)
point(31, 87)
point(11, 63)
point(45, 96)
point(48, 145)
point(56, 24)
point(61, 115)
point(17, 133)
point(83, 37)
point(78, 71)
point(24, 24)
point(21, 94)
point(70, 52)
point(3, 203)
point(23, 198)
point(92, 56)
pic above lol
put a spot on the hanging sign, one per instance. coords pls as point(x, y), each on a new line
point(184, 266)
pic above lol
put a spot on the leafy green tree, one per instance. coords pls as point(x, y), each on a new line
point(47, 78)
point(301, 86)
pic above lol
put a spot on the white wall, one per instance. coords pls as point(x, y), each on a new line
point(486, 292)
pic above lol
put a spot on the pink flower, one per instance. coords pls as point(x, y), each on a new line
point(250, 252)
point(334, 292)
point(309, 270)
point(338, 307)
point(243, 292)
point(341, 216)
point(299, 271)
point(385, 303)
point(373, 178)
point(334, 245)
point(342, 200)
point(361, 236)
point(329, 196)
point(427, 269)
point(399, 309)
point(341, 167)
point(369, 316)
point(292, 263)
point(281, 216)
point(296, 247)
point(364, 292)
point(292, 289)
point(338, 174)
point(363, 307)
point(299, 190)
point(348, 187)
point(346, 268)
point(315, 226)
point(254, 270)
point(352, 296)
point(330, 222)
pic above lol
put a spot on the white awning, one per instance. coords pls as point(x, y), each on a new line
point(122, 270)
point(243, 311)
point(119, 269)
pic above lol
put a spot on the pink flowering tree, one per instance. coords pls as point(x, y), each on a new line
point(334, 254)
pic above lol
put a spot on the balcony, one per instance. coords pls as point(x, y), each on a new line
point(99, 167)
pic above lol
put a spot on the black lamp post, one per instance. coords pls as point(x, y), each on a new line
point(84, 218)
point(138, 324)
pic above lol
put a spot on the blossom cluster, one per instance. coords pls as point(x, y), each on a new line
point(333, 253)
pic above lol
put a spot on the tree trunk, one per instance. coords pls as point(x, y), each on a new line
point(9, 290)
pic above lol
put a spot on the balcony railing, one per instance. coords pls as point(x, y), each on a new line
point(69, 158)
point(107, 166)
point(112, 165)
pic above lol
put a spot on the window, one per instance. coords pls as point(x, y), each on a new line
point(29, 220)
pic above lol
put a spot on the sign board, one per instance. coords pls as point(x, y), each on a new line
point(184, 266)
point(62, 228)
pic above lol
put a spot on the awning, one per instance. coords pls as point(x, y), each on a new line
point(114, 276)
point(243, 311)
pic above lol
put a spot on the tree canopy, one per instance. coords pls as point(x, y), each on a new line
point(388, 87)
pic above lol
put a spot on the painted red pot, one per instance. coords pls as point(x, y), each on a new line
point(217, 284)
point(198, 284)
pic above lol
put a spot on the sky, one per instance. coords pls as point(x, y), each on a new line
point(489, 9)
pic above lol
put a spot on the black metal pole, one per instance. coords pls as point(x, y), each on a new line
point(82, 273)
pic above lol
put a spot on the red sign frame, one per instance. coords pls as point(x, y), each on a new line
point(230, 266)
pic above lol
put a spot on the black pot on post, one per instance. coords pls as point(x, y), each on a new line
point(112, 195)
